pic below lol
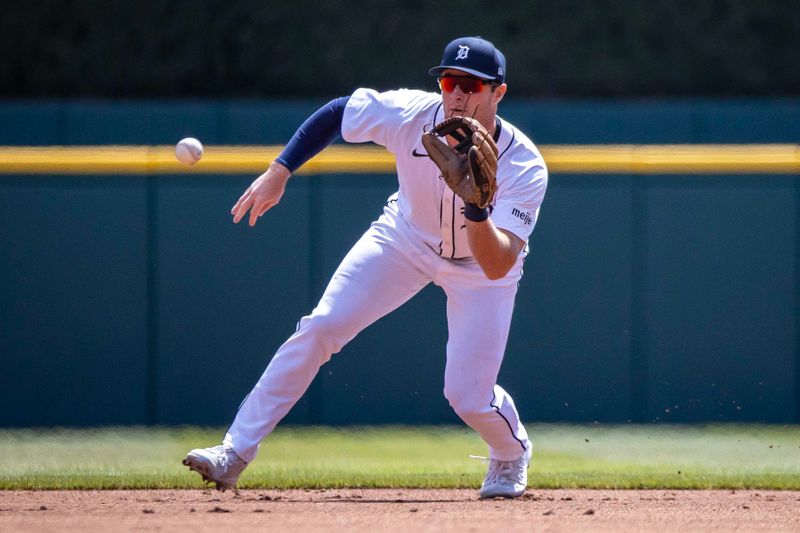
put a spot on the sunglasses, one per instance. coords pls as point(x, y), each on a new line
point(468, 84)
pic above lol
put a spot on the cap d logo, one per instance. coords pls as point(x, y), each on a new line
point(463, 52)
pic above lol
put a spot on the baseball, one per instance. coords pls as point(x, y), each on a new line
point(189, 151)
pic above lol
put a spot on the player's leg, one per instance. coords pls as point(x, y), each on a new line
point(478, 323)
point(479, 316)
point(374, 278)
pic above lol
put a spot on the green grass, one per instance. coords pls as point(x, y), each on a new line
point(597, 456)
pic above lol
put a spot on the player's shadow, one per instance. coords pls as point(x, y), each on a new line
point(398, 500)
point(354, 498)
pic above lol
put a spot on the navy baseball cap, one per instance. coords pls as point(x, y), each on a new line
point(475, 56)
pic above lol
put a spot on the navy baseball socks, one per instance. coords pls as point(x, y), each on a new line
point(507, 479)
point(218, 464)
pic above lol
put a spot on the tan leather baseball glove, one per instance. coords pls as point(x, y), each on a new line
point(470, 167)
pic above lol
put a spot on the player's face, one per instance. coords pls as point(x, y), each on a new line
point(465, 95)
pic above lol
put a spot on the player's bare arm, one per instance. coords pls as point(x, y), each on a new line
point(496, 250)
point(263, 194)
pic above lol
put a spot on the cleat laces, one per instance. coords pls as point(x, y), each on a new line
point(504, 472)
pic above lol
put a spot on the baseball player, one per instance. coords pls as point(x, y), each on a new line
point(470, 188)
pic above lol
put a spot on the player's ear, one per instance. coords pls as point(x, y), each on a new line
point(499, 92)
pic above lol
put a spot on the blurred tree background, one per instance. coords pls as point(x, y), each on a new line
point(310, 48)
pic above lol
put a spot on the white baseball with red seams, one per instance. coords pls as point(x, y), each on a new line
point(420, 238)
point(189, 151)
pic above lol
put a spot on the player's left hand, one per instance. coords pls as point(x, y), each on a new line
point(263, 194)
point(470, 167)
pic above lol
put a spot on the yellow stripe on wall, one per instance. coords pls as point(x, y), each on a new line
point(674, 159)
point(578, 159)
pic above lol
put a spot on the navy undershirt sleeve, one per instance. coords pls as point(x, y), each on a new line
point(317, 132)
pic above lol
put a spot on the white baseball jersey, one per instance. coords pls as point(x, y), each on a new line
point(397, 120)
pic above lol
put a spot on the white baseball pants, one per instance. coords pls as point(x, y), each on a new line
point(383, 270)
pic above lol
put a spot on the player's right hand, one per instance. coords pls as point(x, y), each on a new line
point(263, 194)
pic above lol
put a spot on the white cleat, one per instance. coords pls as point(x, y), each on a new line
point(218, 465)
point(507, 479)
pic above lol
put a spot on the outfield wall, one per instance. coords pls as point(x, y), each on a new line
point(133, 299)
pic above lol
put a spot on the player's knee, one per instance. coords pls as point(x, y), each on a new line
point(464, 400)
point(326, 331)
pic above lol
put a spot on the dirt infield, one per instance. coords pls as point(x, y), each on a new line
point(398, 510)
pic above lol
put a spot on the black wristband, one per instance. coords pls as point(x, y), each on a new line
point(474, 213)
